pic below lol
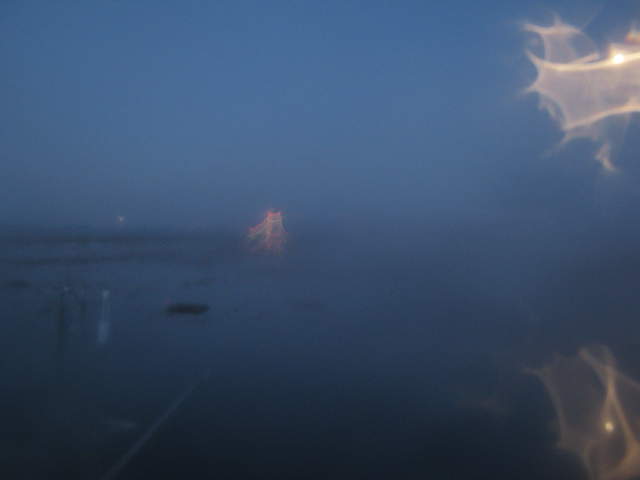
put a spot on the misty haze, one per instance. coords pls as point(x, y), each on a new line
point(320, 240)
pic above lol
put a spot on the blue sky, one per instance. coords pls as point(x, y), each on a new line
point(205, 114)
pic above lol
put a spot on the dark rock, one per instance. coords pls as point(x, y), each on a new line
point(187, 308)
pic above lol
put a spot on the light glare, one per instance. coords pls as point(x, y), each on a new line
point(617, 59)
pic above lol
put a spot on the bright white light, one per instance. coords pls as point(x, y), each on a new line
point(589, 94)
point(618, 58)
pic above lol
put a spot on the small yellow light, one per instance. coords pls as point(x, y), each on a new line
point(617, 59)
point(608, 427)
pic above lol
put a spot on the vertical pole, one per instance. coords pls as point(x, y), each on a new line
point(104, 323)
point(63, 333)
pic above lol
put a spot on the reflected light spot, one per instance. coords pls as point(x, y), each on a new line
point(597, 412)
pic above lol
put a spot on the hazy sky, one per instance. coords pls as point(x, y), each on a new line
point(206, 113)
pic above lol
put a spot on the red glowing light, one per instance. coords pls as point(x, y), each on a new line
point(269, 236)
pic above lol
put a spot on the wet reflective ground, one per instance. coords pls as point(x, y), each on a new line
point(332, 361)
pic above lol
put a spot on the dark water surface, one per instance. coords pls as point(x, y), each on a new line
point(330, 362)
